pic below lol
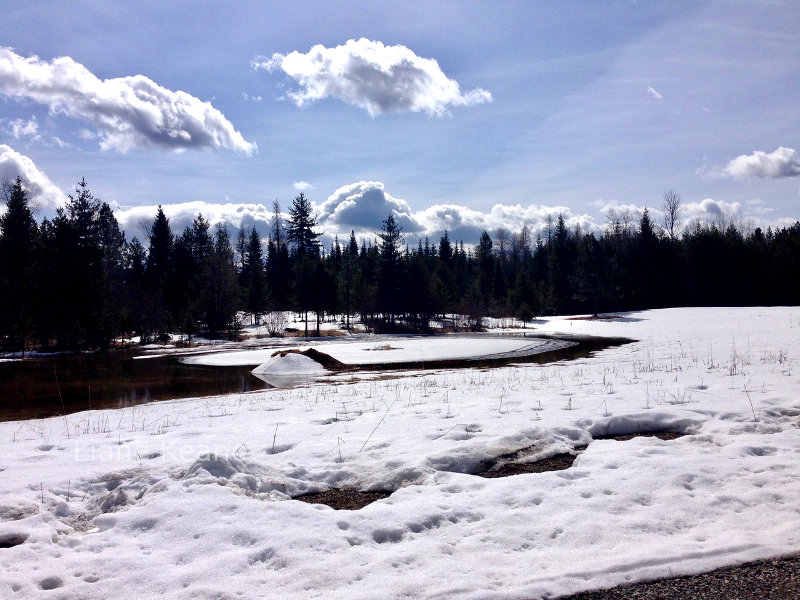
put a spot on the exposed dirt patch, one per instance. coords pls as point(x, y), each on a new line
point(343, 499)
point(557, 462)
point(12, 539)
point(325, 360)
point(514, 463)
point(662, 435)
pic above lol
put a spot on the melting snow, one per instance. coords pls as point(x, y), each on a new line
point(193, 498)
point(290, 363)
point(395, 349)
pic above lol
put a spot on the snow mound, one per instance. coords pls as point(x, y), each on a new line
point(289, 363)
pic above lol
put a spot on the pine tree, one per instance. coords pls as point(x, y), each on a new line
point(561, 257)
point(241, 246)
point(349, 267)
point(445, 249)
point(254, 281)
point(221, 290)
point(19, 253)
point(135, 299)
point(301, 227)
point(83, 248)
point(158, 276)
point(485, 272)
point(389, 282)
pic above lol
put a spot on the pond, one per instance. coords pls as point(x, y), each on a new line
point(48, 386)
point(66, 383)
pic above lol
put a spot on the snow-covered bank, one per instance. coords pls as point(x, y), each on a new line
point(393, 350)
point(191, 498)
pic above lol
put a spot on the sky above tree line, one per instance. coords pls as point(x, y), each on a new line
point(457, 116)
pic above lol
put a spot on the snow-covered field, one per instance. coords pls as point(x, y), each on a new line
point(191, 499)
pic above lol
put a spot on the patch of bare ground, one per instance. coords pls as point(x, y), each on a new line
point(343, 499)
point(12, 539)
point(662, 435)
point(557, 462)
point(325, 360)
point(515, 463)
point(777, 579)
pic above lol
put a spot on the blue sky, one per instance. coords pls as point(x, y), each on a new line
point(530, 108)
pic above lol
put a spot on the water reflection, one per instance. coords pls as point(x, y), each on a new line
point(42, 387)
point(284, 381)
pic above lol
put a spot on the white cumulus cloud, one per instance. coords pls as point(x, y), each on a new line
point(136, 221)
point(302, 186)
point(43, 192)
point(653, 93)
point(712, 211)
point(362, 206)
point(464, 223)
point(373, 76)
point(129, 112)
point(783, 162)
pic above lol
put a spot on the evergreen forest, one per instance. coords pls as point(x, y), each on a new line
point(75, 282)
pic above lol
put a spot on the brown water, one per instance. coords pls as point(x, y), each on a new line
point(67, 383)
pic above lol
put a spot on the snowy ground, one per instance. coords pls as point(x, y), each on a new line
point(190, 499)
point(392, 350)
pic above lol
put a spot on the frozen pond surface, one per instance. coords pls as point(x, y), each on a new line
point(389, 350)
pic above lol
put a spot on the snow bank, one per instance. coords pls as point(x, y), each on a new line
point(289, 363)
point(396, 349)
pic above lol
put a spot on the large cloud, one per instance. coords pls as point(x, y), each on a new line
point(712, 211)
point(43, 192)
point(129, 112)
point(783, 162)
point(362, 206)
point(375, 77)
point(136, 221)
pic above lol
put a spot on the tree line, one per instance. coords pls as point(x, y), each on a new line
point(74, 281)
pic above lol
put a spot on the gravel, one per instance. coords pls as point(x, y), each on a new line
point(768, 580)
